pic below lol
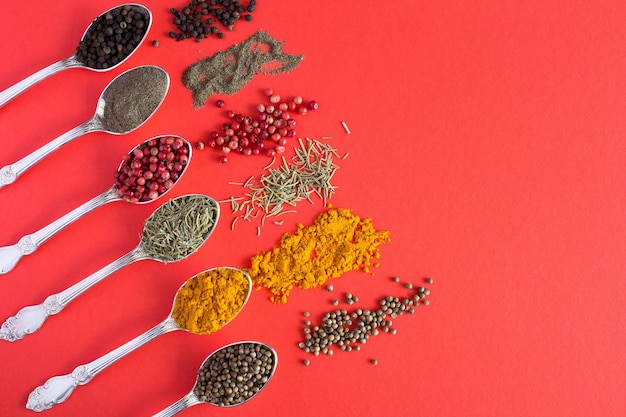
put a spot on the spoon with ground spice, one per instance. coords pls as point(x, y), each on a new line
point(230, 376)
point(108, 41)
point(204, 304)
point(145, 174)
point(124, 105)
point(172, 233)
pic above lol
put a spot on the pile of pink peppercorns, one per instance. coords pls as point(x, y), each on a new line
point(152, 168)
point(266, 133)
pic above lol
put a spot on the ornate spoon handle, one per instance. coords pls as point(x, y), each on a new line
point(187, 401)
point(57, 389)
point(29, 319)
point(18, 88)
point(10, 255)
point(9, 173)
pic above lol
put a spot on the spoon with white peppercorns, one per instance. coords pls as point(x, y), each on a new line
point(108, 41)
point(229, 376)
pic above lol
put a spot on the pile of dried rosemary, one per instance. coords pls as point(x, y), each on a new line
point(309, 173)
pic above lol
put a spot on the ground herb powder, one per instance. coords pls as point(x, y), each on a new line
point(133, 97)
point(211, 299)
point(228, 71)
point(337, 242)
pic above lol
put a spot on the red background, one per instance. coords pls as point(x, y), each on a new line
point(487, 137)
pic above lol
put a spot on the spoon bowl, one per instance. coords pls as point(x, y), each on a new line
point(29, 319)
point(119, 98)
point(57, 389)
point(76, 59)
point(198, 394)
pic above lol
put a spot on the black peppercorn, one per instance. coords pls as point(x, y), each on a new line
point(200, 14)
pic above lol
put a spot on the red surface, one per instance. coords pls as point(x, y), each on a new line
point(487, 137)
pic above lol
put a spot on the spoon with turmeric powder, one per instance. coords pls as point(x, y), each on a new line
point(173, 232)
point(203, 304)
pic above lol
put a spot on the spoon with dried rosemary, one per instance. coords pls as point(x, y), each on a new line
point(173, 232)
point(225, 292)
point(244, 367)
point(180, 150)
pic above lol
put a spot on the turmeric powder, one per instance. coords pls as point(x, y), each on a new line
point(337, 242)
point(209, 300)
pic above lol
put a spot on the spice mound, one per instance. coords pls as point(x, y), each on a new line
point(113, 36)
point(209, 300)
point(152, 168)
point(133, 97)
point(235, 373)
point(337, 242)
point(179, 227)
point(228, 71)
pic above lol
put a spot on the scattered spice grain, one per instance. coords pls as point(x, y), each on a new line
point(349, 329)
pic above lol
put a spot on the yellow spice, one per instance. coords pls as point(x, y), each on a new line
point(337, 242)
point(210, 299)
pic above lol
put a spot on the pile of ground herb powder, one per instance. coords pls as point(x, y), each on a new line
point(209, 300)
point(133, 97)
point(228, 71)
point(337, 242)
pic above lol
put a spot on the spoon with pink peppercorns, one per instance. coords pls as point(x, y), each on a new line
point(148, 171)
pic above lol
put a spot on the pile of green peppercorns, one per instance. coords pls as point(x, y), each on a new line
point(349, 330)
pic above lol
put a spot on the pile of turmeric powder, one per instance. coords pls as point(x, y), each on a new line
point(209, 300)
point(337, 242)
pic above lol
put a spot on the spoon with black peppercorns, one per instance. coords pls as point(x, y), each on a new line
point(108, 41)
point(230, 376)
point(146, 173)
point(124, 105)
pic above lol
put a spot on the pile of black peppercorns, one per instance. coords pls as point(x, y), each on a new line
point(113, 36)
point(200, 18)
point(235, 373)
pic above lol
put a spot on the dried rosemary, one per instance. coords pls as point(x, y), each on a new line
point(310, 172)
point(179, 227)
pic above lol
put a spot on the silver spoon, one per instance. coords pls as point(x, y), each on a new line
point(29, 319)
point(10, 255)
point(73, 61)
point(57, 389)
point(122, 88)
point(192, 398)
